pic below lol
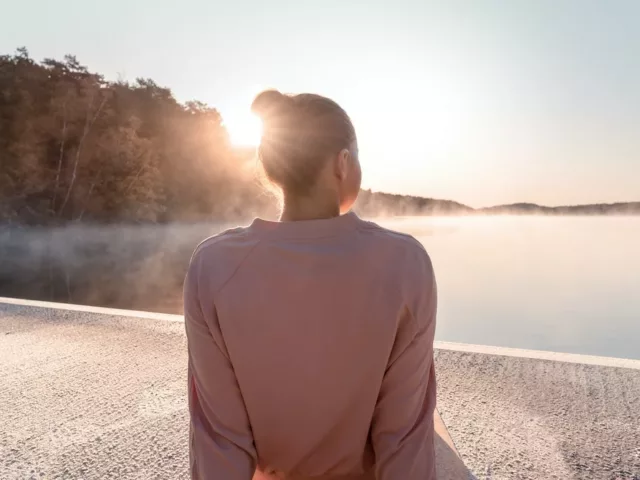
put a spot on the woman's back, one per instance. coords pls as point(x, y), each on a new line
point(311, 352)
point(311, 340)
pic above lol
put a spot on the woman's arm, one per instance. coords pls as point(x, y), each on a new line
point(402, 427)
point(221, 444)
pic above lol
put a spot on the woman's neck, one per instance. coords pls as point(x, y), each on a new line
point(308, 208)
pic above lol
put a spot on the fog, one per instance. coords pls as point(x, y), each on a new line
point(555, 283)
point(133, 267)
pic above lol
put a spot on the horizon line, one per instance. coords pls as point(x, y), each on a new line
point(568, 205)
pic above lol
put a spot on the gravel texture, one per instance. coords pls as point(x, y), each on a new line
point(94, 394)
point(522, 418)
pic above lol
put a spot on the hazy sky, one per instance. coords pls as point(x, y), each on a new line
point(484, 102)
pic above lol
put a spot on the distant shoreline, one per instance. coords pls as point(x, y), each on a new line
point(622, 208)
point(369, 205)
point(7, 227)
point(375, 204)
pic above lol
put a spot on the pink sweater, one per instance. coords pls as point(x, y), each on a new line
point(311, 353)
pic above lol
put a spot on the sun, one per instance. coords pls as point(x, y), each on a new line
point(244, 128)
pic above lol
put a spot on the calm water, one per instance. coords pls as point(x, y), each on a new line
point(569, 284)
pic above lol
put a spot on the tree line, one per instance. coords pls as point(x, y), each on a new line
point(76, 147)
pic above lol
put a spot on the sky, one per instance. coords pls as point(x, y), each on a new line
point(481, 101)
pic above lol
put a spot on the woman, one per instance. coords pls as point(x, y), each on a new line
point(311, 339)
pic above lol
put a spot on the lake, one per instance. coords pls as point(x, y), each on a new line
point(567, 284)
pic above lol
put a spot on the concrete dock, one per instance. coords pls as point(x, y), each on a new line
point(91, 393)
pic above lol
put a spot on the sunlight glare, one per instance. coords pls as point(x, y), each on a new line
point(245, 129)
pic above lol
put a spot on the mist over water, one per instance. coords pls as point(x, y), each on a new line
point(131, 267)
point(568, 284)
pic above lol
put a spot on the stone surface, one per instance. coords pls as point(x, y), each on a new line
point(95, 394)
point(522, 418)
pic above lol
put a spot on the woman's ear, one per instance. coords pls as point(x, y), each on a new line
point(343, 164)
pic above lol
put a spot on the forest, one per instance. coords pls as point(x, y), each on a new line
point(75, 147)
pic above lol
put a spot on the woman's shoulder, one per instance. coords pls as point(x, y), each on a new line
point(216, 258)
point(403, 255)
point(220, 241)
point(405, 251)
point(392, 239)
point(227, 245)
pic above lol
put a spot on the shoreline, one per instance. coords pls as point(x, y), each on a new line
point(576, 358)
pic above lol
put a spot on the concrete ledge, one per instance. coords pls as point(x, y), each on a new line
point(100, 393)
point(541, 355)
point(89, 309)
point(439, 345)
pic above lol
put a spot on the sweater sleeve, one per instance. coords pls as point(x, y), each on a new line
point(402, 428)
point(221, 443)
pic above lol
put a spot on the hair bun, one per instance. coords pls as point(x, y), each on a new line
point(271, 104)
